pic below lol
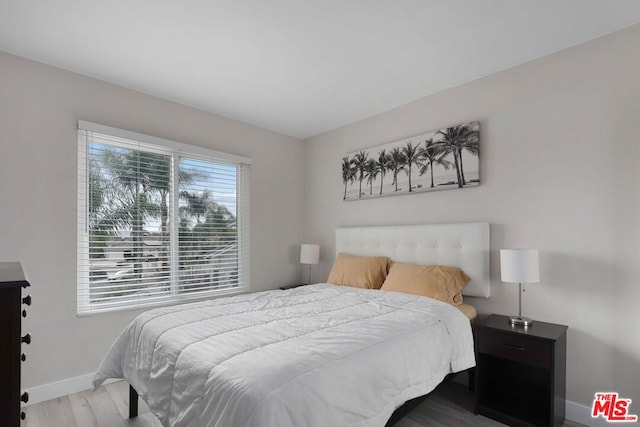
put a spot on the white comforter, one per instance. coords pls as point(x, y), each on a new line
point(319, 355)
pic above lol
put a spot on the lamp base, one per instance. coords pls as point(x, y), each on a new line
point(520, 321)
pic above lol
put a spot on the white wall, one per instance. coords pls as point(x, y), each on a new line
point(39, 110)
point(560, 157)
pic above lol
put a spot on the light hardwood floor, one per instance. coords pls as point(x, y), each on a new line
point(450, 405)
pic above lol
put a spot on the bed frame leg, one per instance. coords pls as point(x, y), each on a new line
point(133, 402)
point(472, 379)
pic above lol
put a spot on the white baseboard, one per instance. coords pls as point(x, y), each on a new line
point(582, 414)
point(44, 392)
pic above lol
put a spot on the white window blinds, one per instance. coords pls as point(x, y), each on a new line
point(158, 221)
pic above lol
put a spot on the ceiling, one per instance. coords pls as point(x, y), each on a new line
point(299, 67)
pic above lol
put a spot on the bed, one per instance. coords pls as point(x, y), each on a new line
point(315, 355)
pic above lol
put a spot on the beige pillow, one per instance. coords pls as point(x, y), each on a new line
point(366, 272)
point(434, 281)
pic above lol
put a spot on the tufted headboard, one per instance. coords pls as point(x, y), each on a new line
point(465, 246)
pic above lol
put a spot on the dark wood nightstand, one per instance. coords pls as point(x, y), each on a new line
point(285, 287)
point(521, 372)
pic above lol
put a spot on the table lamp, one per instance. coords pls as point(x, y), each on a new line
point(519, 266)
point(309, 254)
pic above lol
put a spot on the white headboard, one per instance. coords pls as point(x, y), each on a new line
point(465, 246)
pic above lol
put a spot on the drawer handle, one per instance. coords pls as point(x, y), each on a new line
point(514, 347)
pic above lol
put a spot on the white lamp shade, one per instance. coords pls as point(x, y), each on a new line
point(519, 265)
point(309, 254)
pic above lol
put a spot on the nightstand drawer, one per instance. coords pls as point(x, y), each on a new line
point(517, 347)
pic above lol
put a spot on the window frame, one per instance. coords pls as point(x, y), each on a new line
point(175, 150)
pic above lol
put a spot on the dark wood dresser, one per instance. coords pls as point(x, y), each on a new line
point(12, 280)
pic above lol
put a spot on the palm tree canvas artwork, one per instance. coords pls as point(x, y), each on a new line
point(444, 159)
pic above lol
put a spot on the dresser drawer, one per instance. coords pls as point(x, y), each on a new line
point(517, 347)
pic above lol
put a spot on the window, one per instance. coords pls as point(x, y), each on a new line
point(158, 221)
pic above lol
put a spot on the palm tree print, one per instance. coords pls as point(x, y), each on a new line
point(382, 165)
point(472, 145)
point(454, 140)
point(433, 154)
point(360, 163)
point(421, 163)
point(412, 155)
point(397, 162)
point(348, 173)
point(371, 173)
